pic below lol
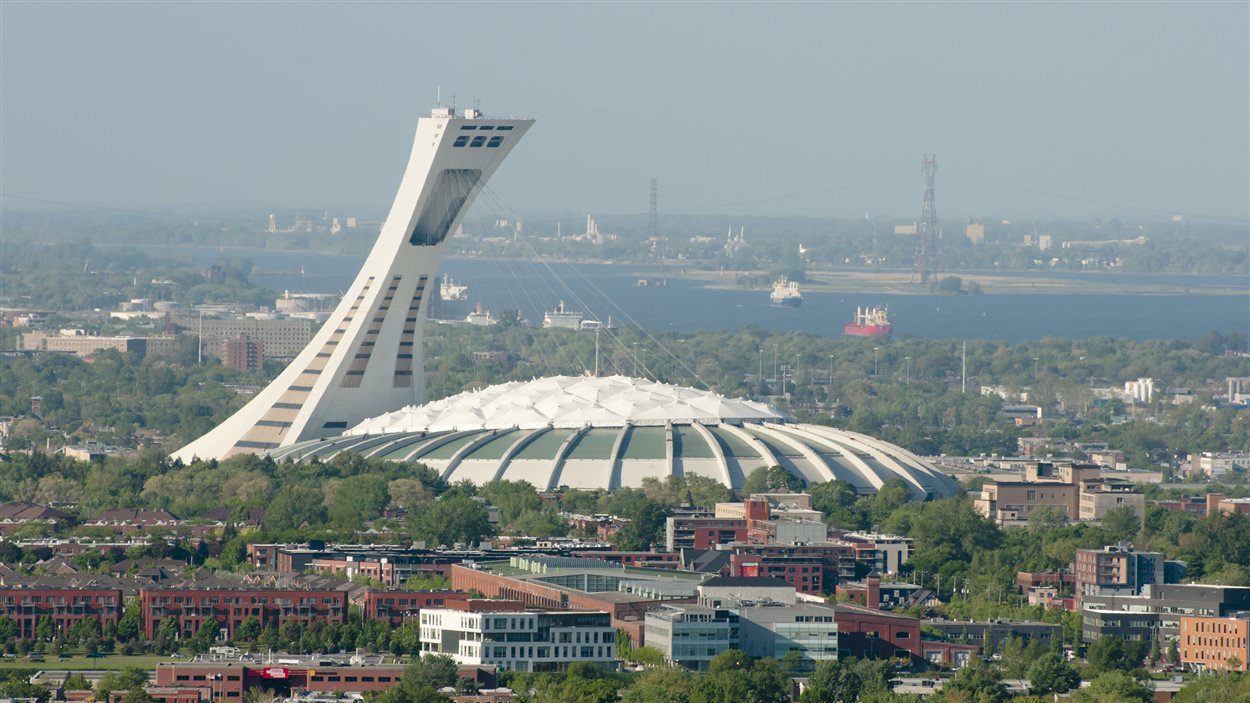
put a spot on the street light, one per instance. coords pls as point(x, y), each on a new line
point(1035, 369)
point(909, 370)
point(874, 360)
point(831, 379)
point(760, 378)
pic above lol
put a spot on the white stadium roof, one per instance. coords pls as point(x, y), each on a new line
point(586, 432)
point(568, 401)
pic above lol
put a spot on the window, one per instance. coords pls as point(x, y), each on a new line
point(486, 127)
point(479, 140)
point(504, 128)
point(495, 141)
point(461, 140)
point(467, 127)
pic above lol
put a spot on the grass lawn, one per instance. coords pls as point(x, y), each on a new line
point(82, 663)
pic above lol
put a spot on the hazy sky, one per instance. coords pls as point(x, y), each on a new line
point(735, 108)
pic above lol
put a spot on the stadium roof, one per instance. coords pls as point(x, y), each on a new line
point(585, 432)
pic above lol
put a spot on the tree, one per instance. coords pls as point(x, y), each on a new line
point(1113, 687)
point(660, 686)
point(1052, 673)
point(294, 506)
point(357, 500)
point(767, 479)
point(433, 670)
point(128, 679)
point(15, 687)
point(981, 682)
point(450, 520)
point(248, 630)
point(1111, 653)
point(77, 682)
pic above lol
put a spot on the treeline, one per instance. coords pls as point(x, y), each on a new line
point(78, 275)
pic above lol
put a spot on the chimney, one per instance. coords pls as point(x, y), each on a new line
point(1213, 502)
point(872, 595)
point(755, 510)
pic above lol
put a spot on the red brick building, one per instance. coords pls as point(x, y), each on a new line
point(63, 600)
point(231, 679)
point(399, 607)
point(802, 572)
point(228, 606)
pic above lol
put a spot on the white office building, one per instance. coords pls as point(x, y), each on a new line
point(531, 641)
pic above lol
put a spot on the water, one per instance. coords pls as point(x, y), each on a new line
point(603, 290)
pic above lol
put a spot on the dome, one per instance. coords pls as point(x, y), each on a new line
point(587, 432)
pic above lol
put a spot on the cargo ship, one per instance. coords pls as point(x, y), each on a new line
point(562, 318)
point(869, 322)
point(786, 294)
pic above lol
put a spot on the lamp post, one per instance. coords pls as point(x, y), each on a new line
point(760, 377)
point(1035, 369)
point(831, 379)
point(875, 350)
point(909, 370)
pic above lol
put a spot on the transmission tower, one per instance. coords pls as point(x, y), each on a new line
point(653, 223)
point(929, 236)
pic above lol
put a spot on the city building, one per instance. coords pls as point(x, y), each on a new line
point(1215, 643)
point(516, 639)
point(775, 629)
point(243, 354)
point(1077, 491)
point(226, 605)
point(399, 607)
point(225, 678)
point(48, 606)
point(1216, 464)
point(1121, 569)
point(690, 636)
point(367, 358)
point(80, 344)
point(722, 591)
point(279, 338)
point(549, 583)
point(1155, 613)
point(990, 636)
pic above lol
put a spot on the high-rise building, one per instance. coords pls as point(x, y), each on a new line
point(366, 359)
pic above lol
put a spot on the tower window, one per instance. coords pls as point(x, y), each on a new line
point(478, 141)
point(495, 141)
point(504, 128)
point(461, 140)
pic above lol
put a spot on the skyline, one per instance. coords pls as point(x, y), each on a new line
point(810, 110)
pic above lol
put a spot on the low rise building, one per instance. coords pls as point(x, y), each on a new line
point(1077, 491)
point(227, 605)
point(1156, 612)
point(691, 635)
point(1215, 643)
point(989, 636)
point(775, 629)
point(399, 607)
point(519, 639)
point(49, 606)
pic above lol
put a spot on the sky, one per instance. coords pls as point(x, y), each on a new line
point(811, 109)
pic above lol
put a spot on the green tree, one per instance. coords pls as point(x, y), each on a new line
point(1113, 687)
point(128, 679)
point(77, 682)
point(660, 686)
point(433, 670)
point(979, 681)
point(768, 479)
point(1052, 673)
point(294, 506)
point(357, 500)
point(451, 520)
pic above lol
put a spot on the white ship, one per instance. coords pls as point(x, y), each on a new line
point(451, 292)
point(563, 318)
point(786, 293)
point(480, 317)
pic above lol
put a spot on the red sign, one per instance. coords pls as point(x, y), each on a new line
point(275, 672)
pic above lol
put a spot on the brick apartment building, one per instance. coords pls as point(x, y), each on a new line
point(64, 600)
point(399, 607)
point(1209, 643)
point(229, 605)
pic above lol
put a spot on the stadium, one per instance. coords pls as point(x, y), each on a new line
point(611, 432)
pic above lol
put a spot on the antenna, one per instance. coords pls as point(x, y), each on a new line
point(438, 95)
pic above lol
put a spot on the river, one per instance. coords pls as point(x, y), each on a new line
point(603, 290)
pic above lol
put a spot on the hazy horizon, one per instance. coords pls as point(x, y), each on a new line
point(814, 110)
